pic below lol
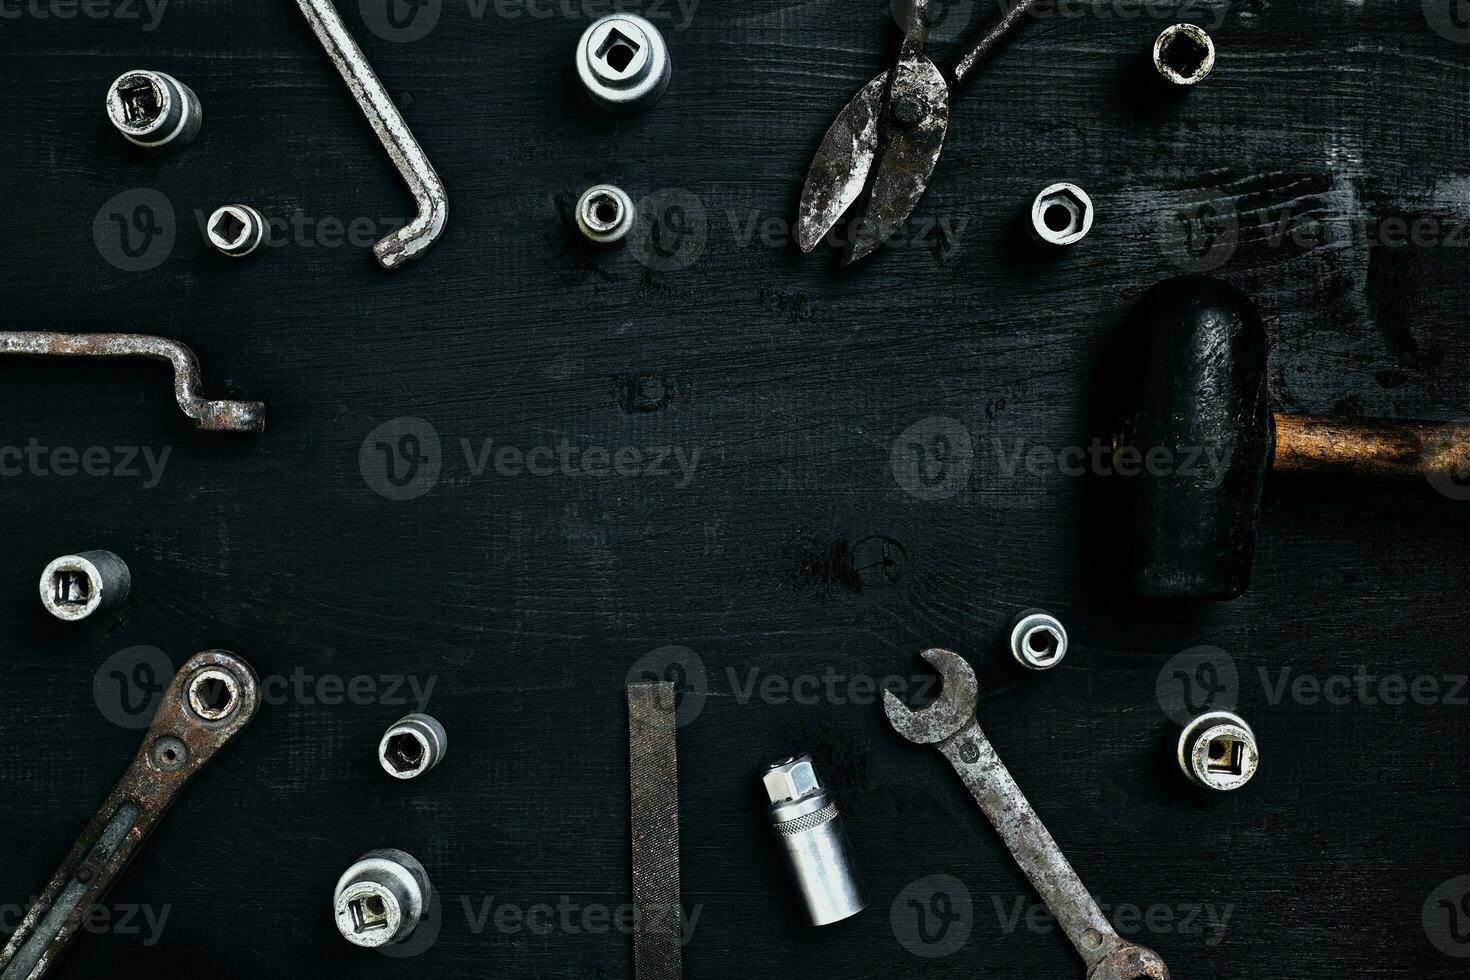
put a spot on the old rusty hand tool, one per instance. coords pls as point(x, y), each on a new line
point(1191, 386)
point(410, 241)
point(653, 784)
point(210, 700)
point(212, 416)
point(950, 725)
point(898, 119)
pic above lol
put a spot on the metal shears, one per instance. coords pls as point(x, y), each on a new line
point(898, 119)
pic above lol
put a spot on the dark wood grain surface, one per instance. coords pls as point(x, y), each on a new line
point(1321, 168)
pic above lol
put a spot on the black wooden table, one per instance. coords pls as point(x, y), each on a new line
point(703, 441)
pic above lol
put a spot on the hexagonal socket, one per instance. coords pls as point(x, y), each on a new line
point(381, 898)
point(412, 746)
point(154, 110)
point(1218, 751)
point(236, 230)
point(1183, 55)
point(74, 587)
point(1061, 215)
point(605, 214)
point(623, 63)
point(1038, 640)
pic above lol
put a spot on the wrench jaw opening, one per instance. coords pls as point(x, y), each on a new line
point(1128, 962)
point(951, 712)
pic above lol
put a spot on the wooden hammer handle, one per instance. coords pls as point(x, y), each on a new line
point(1313, 445)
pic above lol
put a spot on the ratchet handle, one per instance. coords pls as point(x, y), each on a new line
point(210, 700)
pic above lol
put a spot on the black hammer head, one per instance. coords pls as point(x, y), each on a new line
point(1194, 423)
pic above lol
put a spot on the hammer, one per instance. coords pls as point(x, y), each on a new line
point(1199, 440)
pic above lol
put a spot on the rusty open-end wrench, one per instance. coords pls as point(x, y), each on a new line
point(212, 697)
point(950, 725)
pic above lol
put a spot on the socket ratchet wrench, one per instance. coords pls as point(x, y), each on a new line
point(210, 700)
point(950, 725)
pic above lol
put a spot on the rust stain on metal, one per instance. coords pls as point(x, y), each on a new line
point(211, 416)
point(212, 698)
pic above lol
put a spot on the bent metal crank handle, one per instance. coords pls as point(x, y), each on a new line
point(210, 700)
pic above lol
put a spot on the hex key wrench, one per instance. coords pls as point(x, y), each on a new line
point(410, 241)
point(210, 700)
point(211, 416)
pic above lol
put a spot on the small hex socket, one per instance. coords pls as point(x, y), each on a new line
point(1183, 55)
point(1061, 215)
point(381, 898)
point(1218, 751)
point(605, 214)
point(623, 63)
point(412, 746)
point(817, 850)
point(74, 587)
point(154, 110)
point(236, 230)
point(1038, 640)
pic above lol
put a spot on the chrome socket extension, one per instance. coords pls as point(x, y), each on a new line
point(810, 829)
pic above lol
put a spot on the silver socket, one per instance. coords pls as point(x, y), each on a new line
point(236, 230)
point(1218, 751)
point(381, 898)
point(1038, 640)
point(624, 63)
point(1183, 55)
point(154, 110)
point(74, 587)
point(605, 214)
point(412, 746)
point(810, 829)
point(1061, 215)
